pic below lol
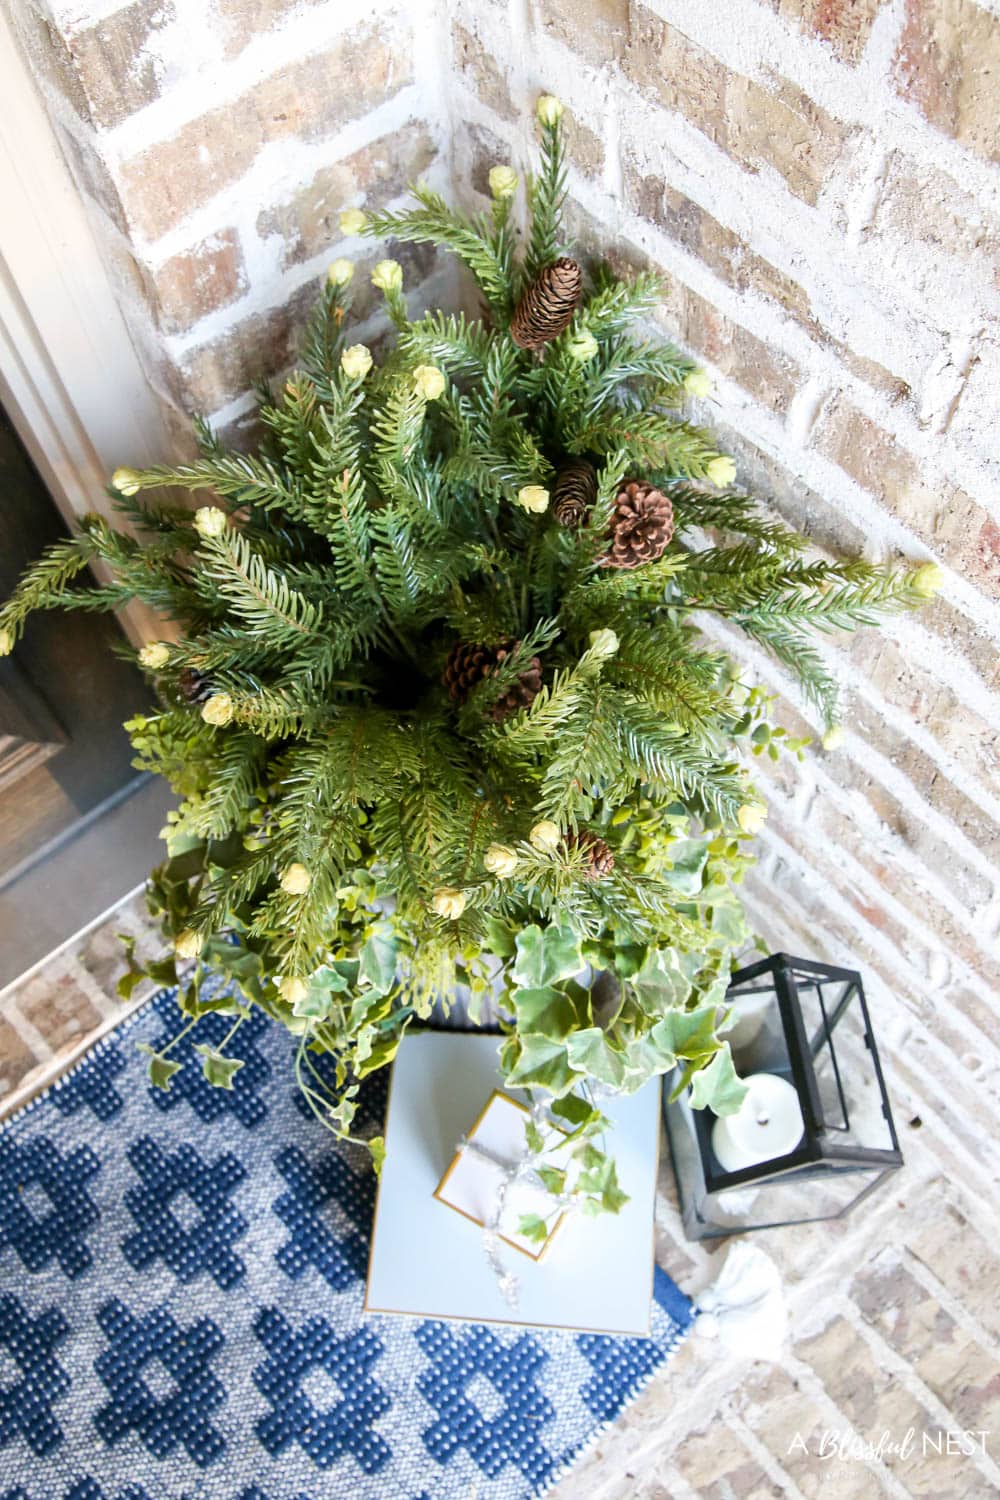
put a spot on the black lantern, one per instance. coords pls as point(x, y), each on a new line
point(815, 1134)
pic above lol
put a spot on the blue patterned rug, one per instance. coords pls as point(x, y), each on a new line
point(181, 1284)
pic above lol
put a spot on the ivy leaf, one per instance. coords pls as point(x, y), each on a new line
point(718, 1086)
point(533, 1228)
point(552, 1179)
point(378, 959)
point(534, 1137)
point(588, 1050)
point(660, 984)
point(376, 1148)
point(500, 938)
point(128, 982)
point(315, 1004)
point(159, 1068)
point(543, 1064)
point(218, 1069)
point(687, 858)
point(575, 1110)
point(546, 955)
point(545, 1012)
point(688, 1034)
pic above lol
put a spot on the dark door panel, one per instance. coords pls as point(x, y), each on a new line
point(63, 694)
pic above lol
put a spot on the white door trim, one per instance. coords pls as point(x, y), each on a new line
point(70, 378)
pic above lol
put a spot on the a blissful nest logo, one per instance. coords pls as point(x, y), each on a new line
point(844, 1446)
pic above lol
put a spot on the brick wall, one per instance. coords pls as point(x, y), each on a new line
point(215, 142)
point(818, 182)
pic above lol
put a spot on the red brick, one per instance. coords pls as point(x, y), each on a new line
point(307, 100)
point(875, 1402)
point(106, 71)
point(948, 65)
point(480, 70)
point(198, 281)
point(949, 1361)
point(16, 1060)
point(56, 1006)
point(718, 1466)
point(845, 24)
point(966, 1265)
point(246, 19)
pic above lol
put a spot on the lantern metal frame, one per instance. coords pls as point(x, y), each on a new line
point(819, 1153)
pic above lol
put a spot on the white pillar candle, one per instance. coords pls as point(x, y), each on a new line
point(767, 1124)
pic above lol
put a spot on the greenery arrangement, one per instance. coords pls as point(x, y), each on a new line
point(438, 713)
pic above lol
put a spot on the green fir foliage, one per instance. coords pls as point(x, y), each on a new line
point(349, 840)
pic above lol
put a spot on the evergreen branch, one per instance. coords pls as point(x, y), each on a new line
point(260, 596)
point(471, 240)
point(45, 585)
point(795, 652)
point(675, 764)
point(546, 196)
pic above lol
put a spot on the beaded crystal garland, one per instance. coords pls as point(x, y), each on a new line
point(181, 1287)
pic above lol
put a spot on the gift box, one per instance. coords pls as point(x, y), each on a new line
point(472, 1181)
point(427, 1260)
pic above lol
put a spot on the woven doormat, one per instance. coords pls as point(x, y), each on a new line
point(181, 1286)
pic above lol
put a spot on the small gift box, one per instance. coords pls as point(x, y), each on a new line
point(475, 1178)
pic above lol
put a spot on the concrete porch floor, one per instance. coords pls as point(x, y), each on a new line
point(895, 1314)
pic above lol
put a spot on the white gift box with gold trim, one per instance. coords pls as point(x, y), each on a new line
point(471, 1182)
point(428, 1260)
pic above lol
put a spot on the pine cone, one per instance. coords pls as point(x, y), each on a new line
point(599, 860)
point(194, 686)
point(548, 304)
point(574, 492)
point(642, 524)
point(468, 665)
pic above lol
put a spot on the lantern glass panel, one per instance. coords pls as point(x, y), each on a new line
point(852, 1103)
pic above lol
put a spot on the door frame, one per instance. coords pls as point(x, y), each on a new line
point(74, 389)
point(70, 379)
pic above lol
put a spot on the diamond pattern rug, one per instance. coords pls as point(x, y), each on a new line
point(181, 1286)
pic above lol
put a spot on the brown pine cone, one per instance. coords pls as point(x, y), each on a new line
point(547, 306)
point(574, 492)
point(642, 524)
point(194, 686)
point(599, 860)
point(469, 664)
